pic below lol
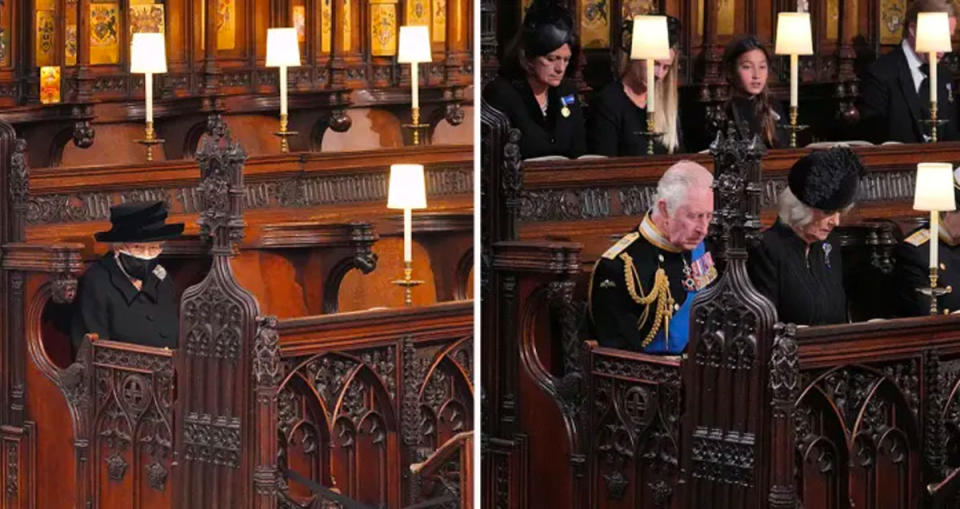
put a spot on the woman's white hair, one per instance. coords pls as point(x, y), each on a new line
point(677, 180)
point(792, 211)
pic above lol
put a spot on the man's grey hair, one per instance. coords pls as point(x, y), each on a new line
point(677, 180)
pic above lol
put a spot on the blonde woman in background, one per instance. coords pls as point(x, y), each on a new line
point(619, 112)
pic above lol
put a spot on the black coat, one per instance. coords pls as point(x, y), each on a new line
point(806, 287)
point(912, 272)
point(554, 134)
point(109, 304)
point(742, 111)
point(613, 124)
point(892, 110)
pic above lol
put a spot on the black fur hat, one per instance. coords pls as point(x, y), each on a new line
point(547, 26)
point(826, 179)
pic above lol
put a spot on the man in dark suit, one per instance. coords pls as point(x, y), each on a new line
point(127, 295)
point(895, 92)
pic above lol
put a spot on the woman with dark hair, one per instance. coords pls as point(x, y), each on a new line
point(619, 112)
point(531, 89)
point(746, 66)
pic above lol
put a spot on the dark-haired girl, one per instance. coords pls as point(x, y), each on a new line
point(531, 88)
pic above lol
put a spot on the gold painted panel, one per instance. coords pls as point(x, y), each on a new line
point(104, 42)
point(833, 20)
point(50, 84)
point(726, 19)
point(70, 44)
point(418, 13)
point(595, 23)
point(300, 22)
point(326, 15)
point(4, 45)
point(146, 18)
point(439, 21)
point(227, 24)
point(346, 25)
point(45, 5)
point(383, 27)
point(891, 20)
point(631, 8)
point(46, 35)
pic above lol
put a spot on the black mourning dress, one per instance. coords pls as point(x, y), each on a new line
point(742, 111)
point(806, 286)
point(111, 306)
point(553, 134)
point(614, 123)
point(912, 272)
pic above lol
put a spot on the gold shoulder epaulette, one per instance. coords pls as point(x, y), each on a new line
point(621, 244)
point(919, 237)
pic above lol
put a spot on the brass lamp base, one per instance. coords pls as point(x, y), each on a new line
point(934, 123)
point(149, 140)
point(407, 283)
point(650, 134)
point(415, 126)
point(794, 127)
point(933, 292)
point(283, 133)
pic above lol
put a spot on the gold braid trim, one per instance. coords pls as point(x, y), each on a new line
point(659, 296)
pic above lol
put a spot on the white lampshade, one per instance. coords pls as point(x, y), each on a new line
point(414, 44)
point(934, 187)
point(148, 53)
point(649, 39)
point(282, 47)
point(793, 34)
point(408, 188)
point(933, 32)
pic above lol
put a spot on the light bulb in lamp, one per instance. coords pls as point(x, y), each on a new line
point(934, 192)
point(407, 191)
point(413, 48)
point(148, 55)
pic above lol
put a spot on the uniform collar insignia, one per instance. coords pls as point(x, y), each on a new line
point(655, 236)
point(606, 283)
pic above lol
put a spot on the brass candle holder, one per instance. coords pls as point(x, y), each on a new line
point(934, 122)
point(415, 126)
point(149, 140)
point(650, 134)
point(407, 283)
point(283, 133)
point(933, 291)
point(794, 128)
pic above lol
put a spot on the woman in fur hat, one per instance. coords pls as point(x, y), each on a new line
point(795, 265)
point(127, 295)
point(532, 90)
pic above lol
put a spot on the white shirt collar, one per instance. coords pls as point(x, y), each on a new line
point(914, 63)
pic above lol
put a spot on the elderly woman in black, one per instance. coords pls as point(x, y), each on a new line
point(796, 266)
point(619, 112)
point(126, 295)
point(531, 89)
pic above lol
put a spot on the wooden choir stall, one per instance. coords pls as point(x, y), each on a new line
point(756, 413)
point(292, 384)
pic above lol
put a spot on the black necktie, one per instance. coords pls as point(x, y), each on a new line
point(924, 90)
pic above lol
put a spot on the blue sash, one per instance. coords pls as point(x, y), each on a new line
point(679, 324)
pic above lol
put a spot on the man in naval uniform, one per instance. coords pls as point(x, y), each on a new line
point(913, 262)
point(642, 287)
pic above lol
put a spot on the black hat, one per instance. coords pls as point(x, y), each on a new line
point(826, 179)
point(546, 27)
point(673, 32)
point(139, 222)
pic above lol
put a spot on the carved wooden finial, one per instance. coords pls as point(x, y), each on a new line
point(737, 188)
point(221, 188)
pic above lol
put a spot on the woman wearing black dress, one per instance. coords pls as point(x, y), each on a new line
point(796, 265)
point(531, 89)
point(619, 112)
point(750, 107)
